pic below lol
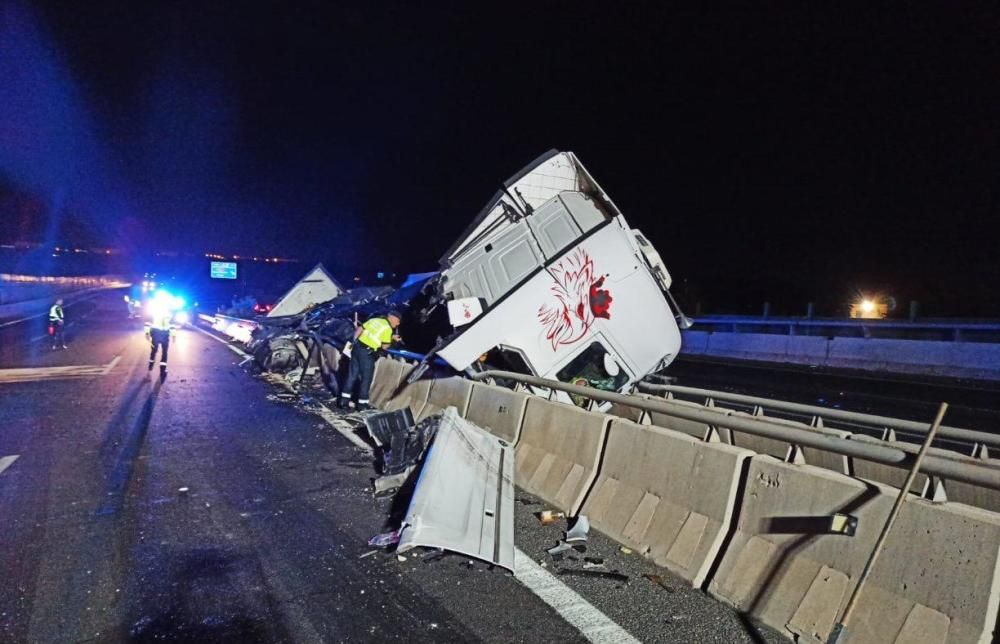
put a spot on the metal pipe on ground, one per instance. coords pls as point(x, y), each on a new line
point(907, 426)
point(946, 468)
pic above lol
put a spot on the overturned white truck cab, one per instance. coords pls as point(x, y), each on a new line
point(550, 280)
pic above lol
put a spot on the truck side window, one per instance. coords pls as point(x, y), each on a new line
point(592, 369)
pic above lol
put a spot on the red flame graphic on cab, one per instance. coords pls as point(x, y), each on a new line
point(578, 300)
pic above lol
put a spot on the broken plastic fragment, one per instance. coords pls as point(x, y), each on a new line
point(614, 574)
point(625, 551)
point(559, 548)
point(384, 539)
point(579, 530)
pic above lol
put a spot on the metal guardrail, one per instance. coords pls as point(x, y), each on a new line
point(906, 426)
point(957, 330)
point(953, 469)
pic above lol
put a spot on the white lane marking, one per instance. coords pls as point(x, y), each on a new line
point(111, 365)
point(237, 350)
point(7, 461)
point(331, 418)
point(594, 625)
point(31, 374)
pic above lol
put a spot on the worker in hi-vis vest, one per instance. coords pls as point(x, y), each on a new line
point(158, 332)
point(57, 324)
point(369, 340)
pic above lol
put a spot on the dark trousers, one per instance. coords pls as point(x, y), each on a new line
point(59, 332)
point(360, 372)
point(159, 338)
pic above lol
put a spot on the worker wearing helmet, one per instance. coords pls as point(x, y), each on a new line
point(370, 339)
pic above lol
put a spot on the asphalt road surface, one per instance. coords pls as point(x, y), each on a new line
point(210, 507)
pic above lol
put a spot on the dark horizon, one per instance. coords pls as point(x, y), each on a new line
point(784, 157)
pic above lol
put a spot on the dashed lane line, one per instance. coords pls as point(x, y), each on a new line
point(590, 621)
point(7, 461)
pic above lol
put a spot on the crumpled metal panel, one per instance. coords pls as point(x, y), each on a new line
point(464, 498)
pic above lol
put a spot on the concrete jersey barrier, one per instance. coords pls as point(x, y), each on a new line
point(668, 495)
point(558, 452)
point(447, 392)
point(936, 581)
point(498, 410)
point(388, 373)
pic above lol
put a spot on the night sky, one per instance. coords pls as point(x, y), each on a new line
point(769, 154)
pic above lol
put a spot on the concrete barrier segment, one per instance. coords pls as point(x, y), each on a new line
point(667, 495)
point(447, 392)
point(559, 451)
point(937, 581)
point(388, 373)
point(413, 395)
point(498, 410)
point(691, 428)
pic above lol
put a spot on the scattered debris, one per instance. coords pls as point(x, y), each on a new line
point(658, 580)
point(600, 574)
point(580, 529)
point(625, 551)
point(368, 554)
point(548, 517)
point(469, 473)
point(561, 548)
point(403, 444)
point(434, 555)
point(182, 490)
point(400, 558)
point(384, 539)
point(597, 561)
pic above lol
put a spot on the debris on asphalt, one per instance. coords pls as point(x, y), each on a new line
point(433, 555)
point(592, 564)
point(625, 551)
point(548, 517)
point(464, 496)
point(384, 539)
point(658, 580)
point(368, 554)
point(580, 529)
point(599, 574)
point(182, 490)
point(402, 442)
point(559, 549)
point(562, 548)
point(597, 561)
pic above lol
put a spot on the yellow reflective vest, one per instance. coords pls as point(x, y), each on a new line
point(376, 332)
point(161, 321)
